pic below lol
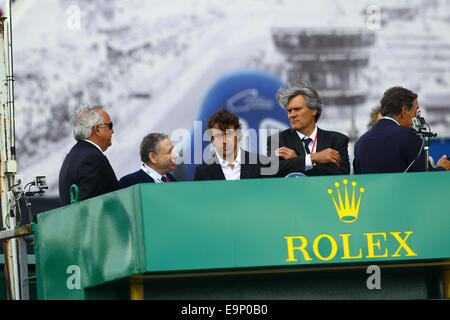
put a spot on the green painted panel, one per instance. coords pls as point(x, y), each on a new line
point(203, 225)
point(239, 224)
point(100, 238)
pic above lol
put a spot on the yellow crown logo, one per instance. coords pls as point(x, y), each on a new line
point(347, 212)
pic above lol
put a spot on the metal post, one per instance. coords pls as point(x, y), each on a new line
point(8, 166)
point(23, 274)
point(446, 280)
point(427, 153)
point(136, 287)
point(10, 78)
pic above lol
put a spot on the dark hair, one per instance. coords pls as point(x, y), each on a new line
point(150, 143)
point(223, 118)
point(394, 99)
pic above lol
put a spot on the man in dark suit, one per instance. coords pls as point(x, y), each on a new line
point(315, 151)
point(392, 145)
point(230, 162)
point(158, 157)
point(86, 165)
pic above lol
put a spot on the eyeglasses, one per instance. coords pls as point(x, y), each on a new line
point(110, 125)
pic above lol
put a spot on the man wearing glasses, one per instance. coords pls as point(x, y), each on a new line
point(86, 165)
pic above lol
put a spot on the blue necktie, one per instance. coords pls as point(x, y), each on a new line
point(306, 142)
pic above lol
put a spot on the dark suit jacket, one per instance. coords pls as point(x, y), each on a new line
point(325, 139)
point(389, 148)
point(251, 165)
point(88, 168)
point(139, 177)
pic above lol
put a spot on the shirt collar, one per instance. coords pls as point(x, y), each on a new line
point(225, 163)
point(312, 136)
point(93, 143)
point(389, 118)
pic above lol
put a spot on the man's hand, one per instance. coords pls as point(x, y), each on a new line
point(444, 163)
point(285, 153)
point(326, 156)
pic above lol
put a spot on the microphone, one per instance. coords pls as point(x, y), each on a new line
point(420, 126)
point(419, 122)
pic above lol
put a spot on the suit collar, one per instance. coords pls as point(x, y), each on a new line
point(216, 168)
point(94, 144)
point(322, 139)
point(312, 136)
point(90, 145)
point(144, 176)
point(296, 142)
point(245, 164)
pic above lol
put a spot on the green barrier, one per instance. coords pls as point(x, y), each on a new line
point(212, 226)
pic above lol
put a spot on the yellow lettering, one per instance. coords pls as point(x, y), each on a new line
point(347, 248)
point(333, 247)
point(403, 244)
point(291, 248)
point(371, 244)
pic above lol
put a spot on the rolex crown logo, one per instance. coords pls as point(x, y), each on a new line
point(347, 211)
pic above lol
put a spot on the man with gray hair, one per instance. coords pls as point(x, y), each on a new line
point(322, 152)
point(85, 165)
point(158, 159)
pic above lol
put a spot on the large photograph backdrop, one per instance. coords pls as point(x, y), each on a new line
point(152, 64)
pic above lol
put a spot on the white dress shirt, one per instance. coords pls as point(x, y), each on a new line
point(231, 174)
point(389, 118)
point(308, 162)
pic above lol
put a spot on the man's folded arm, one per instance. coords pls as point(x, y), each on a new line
point(331, 169)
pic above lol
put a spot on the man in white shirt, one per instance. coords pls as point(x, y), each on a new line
point(230, 162)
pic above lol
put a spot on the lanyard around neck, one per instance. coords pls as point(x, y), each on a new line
point(315, 140)
point(152, 175)
point(314, 144)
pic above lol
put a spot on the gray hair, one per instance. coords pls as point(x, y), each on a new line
point(150, 143)
point(84, 120)
point(300, 87)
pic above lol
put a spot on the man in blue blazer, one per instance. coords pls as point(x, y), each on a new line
point(86, 165)
point(158, 159)
point(392, 145)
